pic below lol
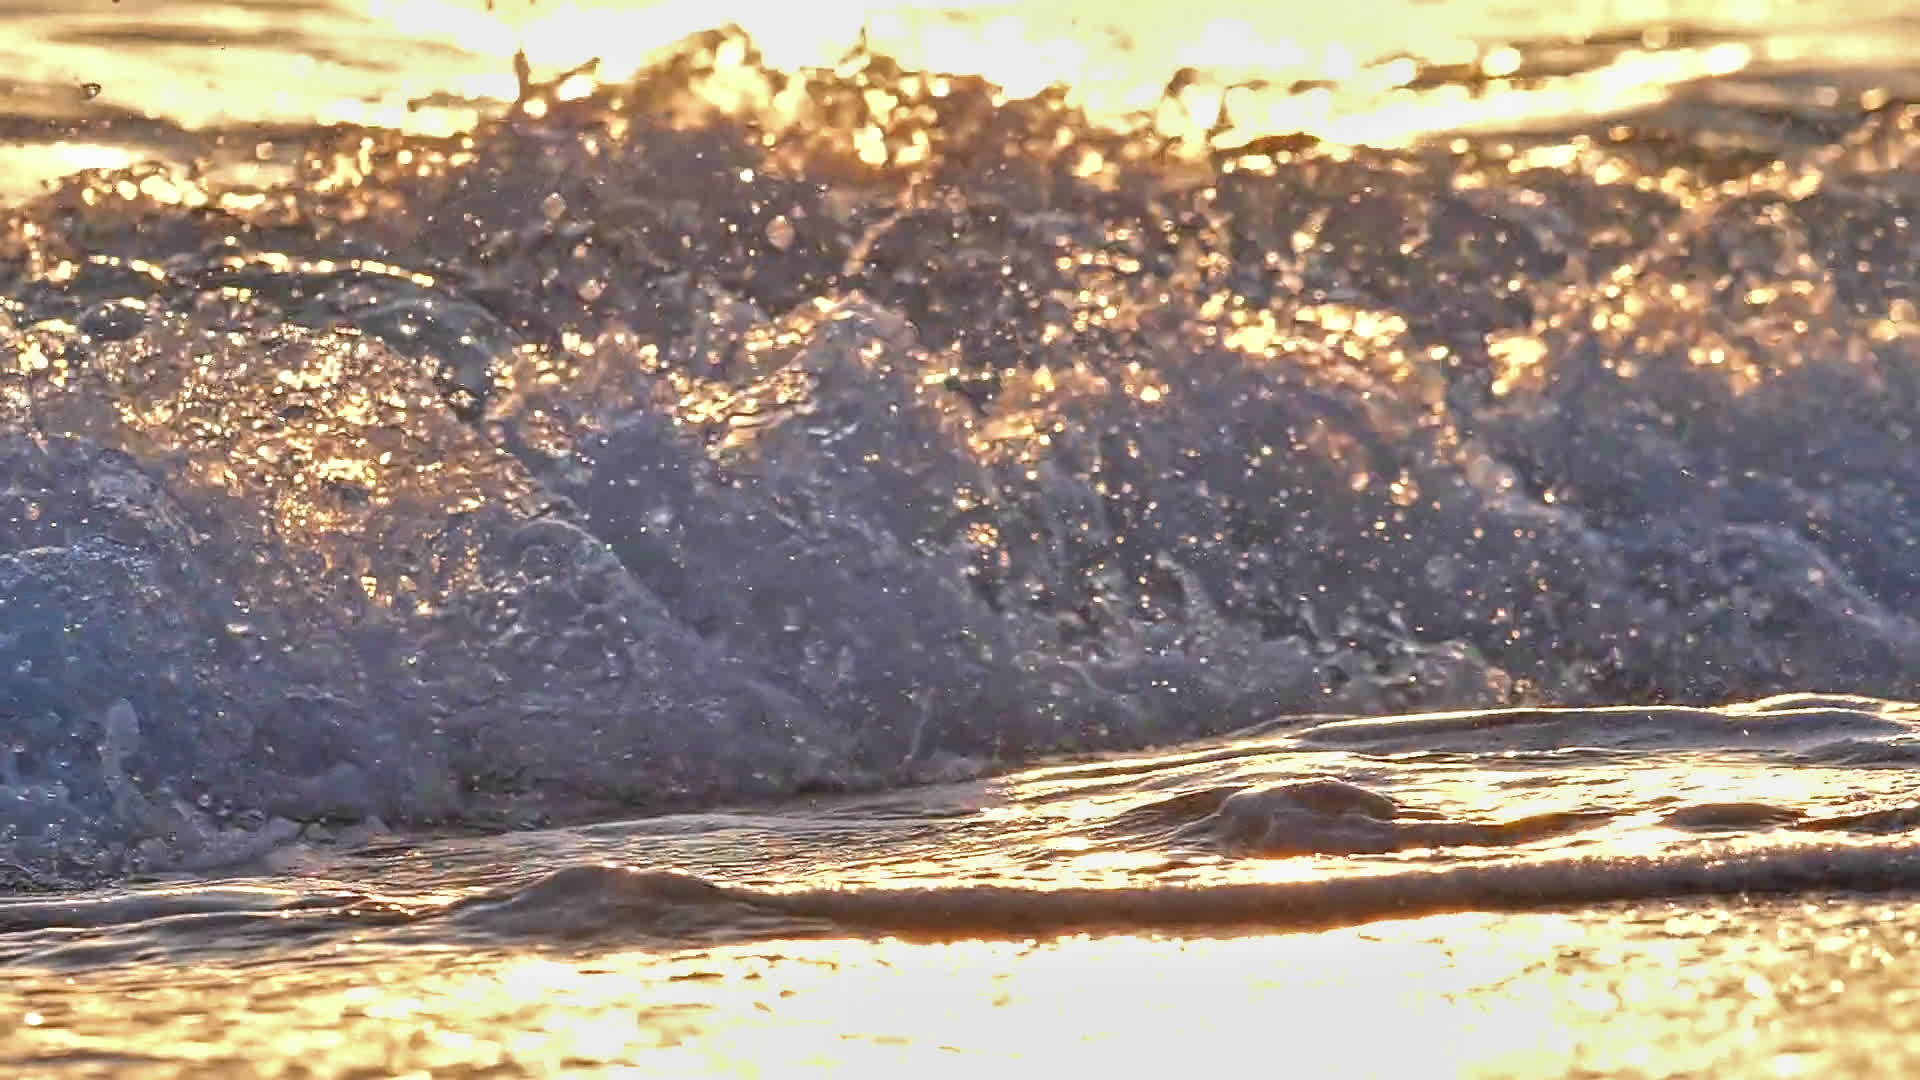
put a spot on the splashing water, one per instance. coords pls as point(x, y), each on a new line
point(1483, 460)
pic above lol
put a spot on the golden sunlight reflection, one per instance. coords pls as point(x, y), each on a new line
point(23, 166)
point(1668, 987)
point(1379, 72)
point(1358, 61)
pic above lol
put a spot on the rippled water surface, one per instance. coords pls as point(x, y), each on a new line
point(541, 538)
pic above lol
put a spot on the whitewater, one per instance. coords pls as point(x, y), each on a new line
point(630, 537)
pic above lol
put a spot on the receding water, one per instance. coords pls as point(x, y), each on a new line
point(1377, 540)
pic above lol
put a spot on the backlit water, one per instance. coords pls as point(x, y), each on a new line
point(1377, 539)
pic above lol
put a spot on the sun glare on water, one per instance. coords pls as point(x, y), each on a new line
point(1650, 991)
point(1371, 72)
point(1667, 986)
point(1348, 75)
point(1376, 72)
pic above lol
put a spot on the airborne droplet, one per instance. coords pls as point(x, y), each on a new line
point(780, 232)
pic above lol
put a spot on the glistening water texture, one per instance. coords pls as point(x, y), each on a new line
point(900, 557)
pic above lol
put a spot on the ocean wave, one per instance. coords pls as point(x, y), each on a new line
point(655, 446)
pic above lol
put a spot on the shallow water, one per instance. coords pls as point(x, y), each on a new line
point(1019, 537)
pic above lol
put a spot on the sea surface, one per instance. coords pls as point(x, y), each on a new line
point(1367, 539)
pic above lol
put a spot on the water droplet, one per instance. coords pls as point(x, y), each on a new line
point(780, 233)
